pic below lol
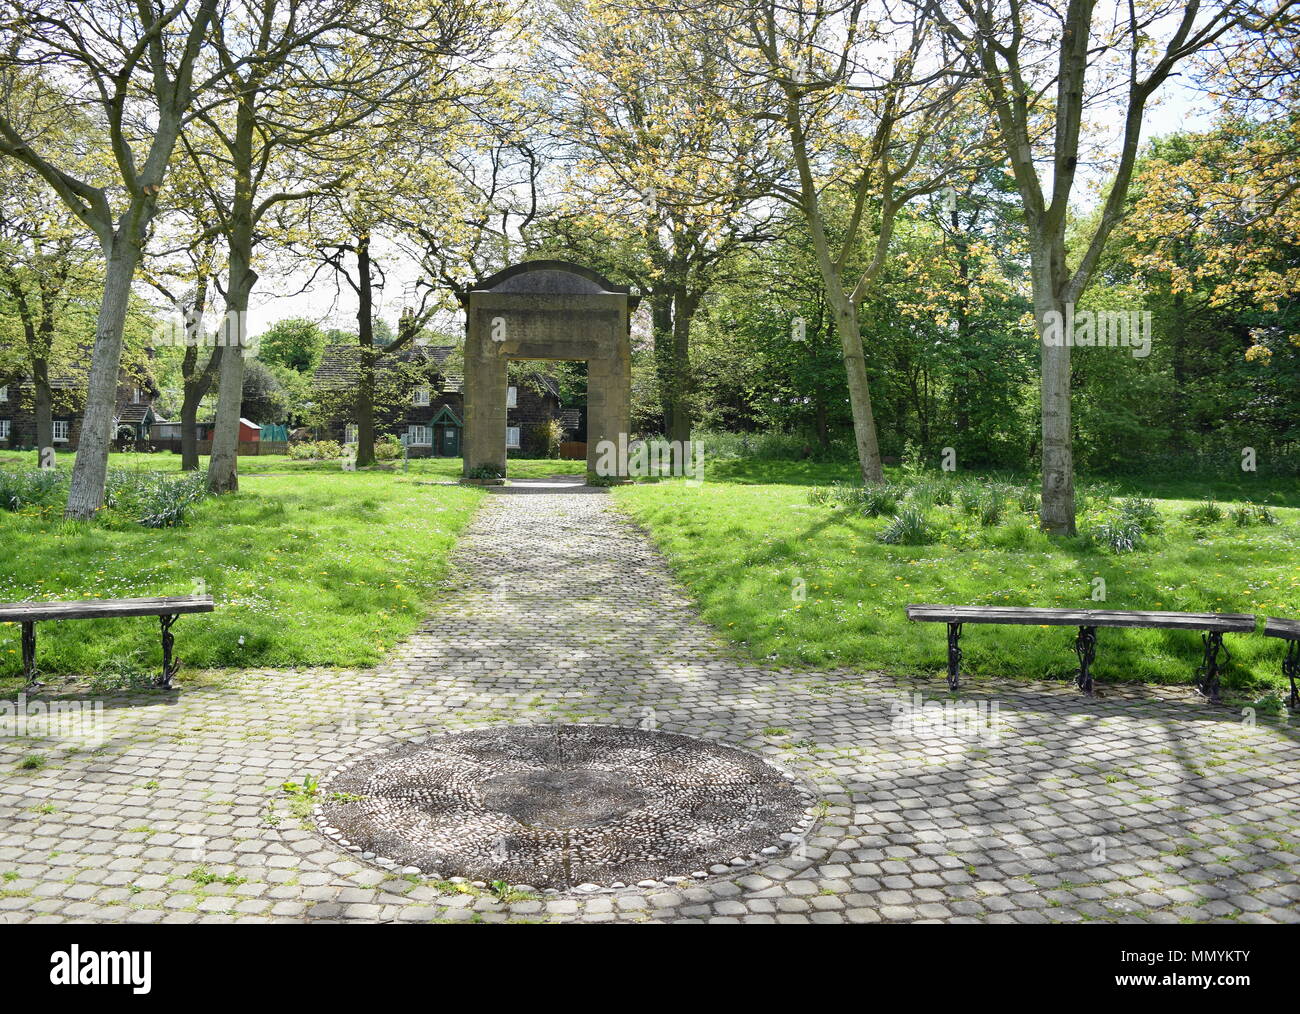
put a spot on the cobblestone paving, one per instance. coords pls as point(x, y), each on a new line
point(1134, 808)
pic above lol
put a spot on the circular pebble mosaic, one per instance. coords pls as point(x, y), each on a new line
point(565, 807)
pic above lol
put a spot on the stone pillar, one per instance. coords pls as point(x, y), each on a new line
point(609, 399)
point(484, 436)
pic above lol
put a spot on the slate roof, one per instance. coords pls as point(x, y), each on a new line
point(338, 364)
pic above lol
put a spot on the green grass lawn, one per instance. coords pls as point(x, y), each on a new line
point(262, 464)
point(742, 540)
point(306, 569)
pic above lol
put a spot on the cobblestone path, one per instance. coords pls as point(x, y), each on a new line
point(1136, 807)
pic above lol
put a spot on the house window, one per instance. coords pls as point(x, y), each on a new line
point(4, 393)
point(512, 437)
point(512, 396)
point(418, 436)
point(4, 429)
point(138, 395)
point(350, 433)
point(421, 396)
point(60, 431)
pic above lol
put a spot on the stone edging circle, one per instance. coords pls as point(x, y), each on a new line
point(383, 846)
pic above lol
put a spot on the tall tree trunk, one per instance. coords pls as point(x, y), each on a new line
point(1178, 357)
point(661, 324)
point(223, 466)
point(43, 404)
point(189, 430)
point(195, 388)
point(195, 383)
point(679, 422)
point(962, 388)
point(1056, 516)
point(855, 367)
point(365, 406)
point(89, 473)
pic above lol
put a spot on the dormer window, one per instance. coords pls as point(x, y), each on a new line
point(512, 396)
point(4, 393)
point(138, 395)
point(422, 396)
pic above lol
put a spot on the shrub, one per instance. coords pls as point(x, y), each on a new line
point(819, 496)
point(315, 450)
point(1252, 514)
point(908, 527)
point(388, 448)
point(32, 487)
point(1206, 513)
point(1095, 497)
point(1141, 512)
point(968, 496)
point(1118, 535)
point(992, 505)
point(487, 472)
point(924, 493)
point(153, 499)
point(878, 501)
point(1263, 515)
point(774, 446)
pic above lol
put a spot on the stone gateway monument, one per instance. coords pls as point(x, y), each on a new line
point(549, 310)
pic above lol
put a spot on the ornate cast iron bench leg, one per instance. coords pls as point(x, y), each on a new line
point(954, 655)
point(1291, 670)
point(1085, 646)
point(169, 666)
point(1208, 683)
point(29, 652)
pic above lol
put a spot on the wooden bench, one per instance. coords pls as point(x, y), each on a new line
point(1213, 625)
point(166, 608)
point(1289, 631)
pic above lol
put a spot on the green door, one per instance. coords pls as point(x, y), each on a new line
point(450, 441)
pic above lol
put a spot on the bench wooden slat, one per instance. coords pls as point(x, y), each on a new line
point(86, 609)
point(1028, 615)
point(1275, 626)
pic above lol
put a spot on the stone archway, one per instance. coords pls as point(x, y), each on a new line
point(545, 310)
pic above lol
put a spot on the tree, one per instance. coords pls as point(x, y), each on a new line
point(668, 170)
point(1042, 68)
point(262, 399)
point(295, 342)
point(46, 259)
point(881, 136)
point(198, 371)
point(423, 195)
point(133, 64)
point(299, 121)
